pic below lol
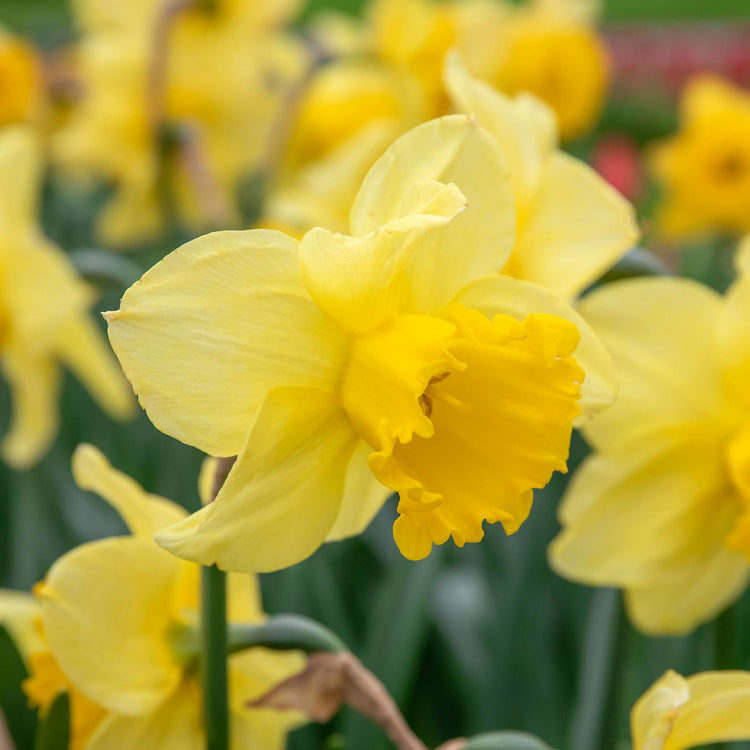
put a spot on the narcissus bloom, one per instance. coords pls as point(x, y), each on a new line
point(705, 167)
point(44, 321)
point(676, 713)
point(343, 367)
point(227, 72)
point(571, 226)
point(111, 614)
point(661, 508)
point(551, 49)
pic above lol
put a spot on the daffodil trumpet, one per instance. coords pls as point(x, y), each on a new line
point(342, 368)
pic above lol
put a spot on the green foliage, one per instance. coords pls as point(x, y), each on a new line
point(54, 728)
point(20, 719)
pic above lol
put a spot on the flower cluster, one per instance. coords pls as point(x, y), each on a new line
point(394, 293)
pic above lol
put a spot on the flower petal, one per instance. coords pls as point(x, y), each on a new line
point(709, 583)
point(654, 713)
point(20, 178)
point(734, 326)
point(34, 382)
point(18, 613)
point(283, 494)
point(495, 295)
point(718, 710)
point(577, 226)
point(525, 127)
point(144, 514)
point(106, 611)
point(651, 518)
point(361, 282)
point(363, 497)
point(211, 328)
point(456, 150)
point(661, 334)
point(174, 725)
point(80, 346)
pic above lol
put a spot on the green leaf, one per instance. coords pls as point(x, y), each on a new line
point(54, 729)
point(21, 720)
point(284, 633)
point(505, 741)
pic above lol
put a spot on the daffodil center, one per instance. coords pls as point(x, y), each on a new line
point(19, 81)
point(465, 417)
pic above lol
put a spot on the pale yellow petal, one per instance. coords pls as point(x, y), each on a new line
point(661, 334)
point(251, 674)
point(81, 347)
point(34, 382)
point(718, 710)
point(20, 176)
point(19, 611)
point(283, 494)
point(41, 292)
point(176, 724)
point(709, 582)
point(577, 226)
point(210, 329)
point(524, 127)
point(456, 150)
point(206, 479)
point(654, 517)
point(143, 513)
point(363, 282)
point(363, 497)
point(734, 327)
point(106, 611)
point(654, 713)
point(495, 295)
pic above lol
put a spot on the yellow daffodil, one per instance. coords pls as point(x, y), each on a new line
point(551, 49)
point(571, 225)
point(676, 713)
point(352, 110)
point(661, 507)
point(111, 615)
point(705, 167)
point(43, 313)
point(227, 73)
point(21, 87)
point(343, 367)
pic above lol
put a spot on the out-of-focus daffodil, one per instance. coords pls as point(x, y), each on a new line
point(661, 508)
point(571, 225)
point(341, 368)
point(676, 713)
point(111, 615)
point(44, 320)
point(551, 49)
point(705, 167)
point(547, 47)
point(21, 81)
point(227, 71)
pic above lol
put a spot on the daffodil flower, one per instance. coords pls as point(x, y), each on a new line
point(111, 615)
point(571, 225)
point(343, 367)
point(705, 167)
point(676, 713)
point(44, 320)
point(661, 507)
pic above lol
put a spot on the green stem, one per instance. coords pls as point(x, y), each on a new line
point(214, 647)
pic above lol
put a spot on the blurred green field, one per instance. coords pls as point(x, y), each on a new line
point(469, 640)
